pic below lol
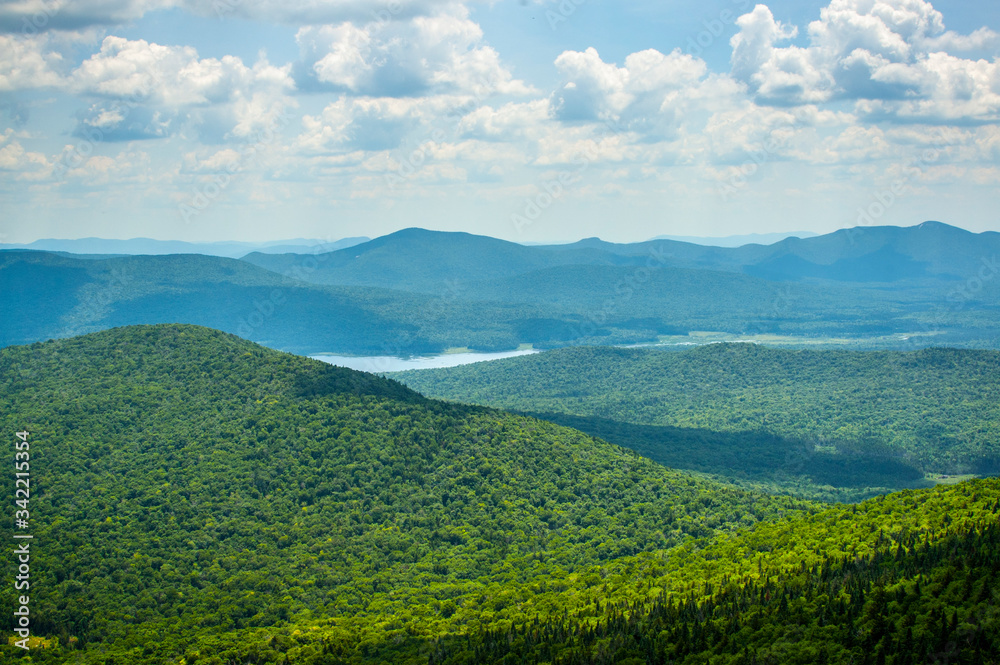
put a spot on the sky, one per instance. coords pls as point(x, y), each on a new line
point(528, 120)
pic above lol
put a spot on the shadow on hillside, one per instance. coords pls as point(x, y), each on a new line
point(758, 456)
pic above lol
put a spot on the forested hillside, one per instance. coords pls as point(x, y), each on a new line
point(807, 420)
point(866, 586)
point(200, 499)
point(420, 260)
point(194, 488)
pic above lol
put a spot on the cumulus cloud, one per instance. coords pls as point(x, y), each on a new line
point(653, 95)
point(145, 90)
point(361, 124)
point(594, 89)
point(14, 158)
point(892, 56)
point(775, 74)
point(171, 75)
point(28, 62)
point(442, 54)
point(510, 122)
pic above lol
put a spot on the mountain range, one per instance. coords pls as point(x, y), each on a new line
point(418, 291)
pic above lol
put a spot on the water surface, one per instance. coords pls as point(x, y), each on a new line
point(378, 364)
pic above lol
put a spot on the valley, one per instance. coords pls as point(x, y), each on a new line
point(673, 454)
point(205, 498)
point(506, 332)
point(827, 424)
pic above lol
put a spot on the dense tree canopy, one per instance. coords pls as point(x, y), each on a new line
point(199, 499)
point(191, 484)
point(805, 421)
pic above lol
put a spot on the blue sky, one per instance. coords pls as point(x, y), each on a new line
point(530, 120)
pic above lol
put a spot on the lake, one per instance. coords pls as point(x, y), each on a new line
point(379, 364)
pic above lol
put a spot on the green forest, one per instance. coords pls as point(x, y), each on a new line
point(200, 499)
point(828, 424)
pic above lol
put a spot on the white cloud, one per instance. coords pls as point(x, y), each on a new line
point(14, 158)
point(442, 54)
point(594, 89)
point(983, 38)
point(28, 62)
point(369, 124)
point(945, 89)
point(654, 94)
point(509, 122)
point(169, 75)
point(147, 90)
point(891, 55)
point(772, 72)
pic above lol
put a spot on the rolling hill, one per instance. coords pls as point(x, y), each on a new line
point(62, 296)
point(861, 282)
point(837, 424)
point(197, 498)
point(195, 489)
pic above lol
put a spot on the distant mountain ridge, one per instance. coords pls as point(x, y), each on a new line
point(739, 240)
point(421, 260)
point(229, 249)
point(417, 291)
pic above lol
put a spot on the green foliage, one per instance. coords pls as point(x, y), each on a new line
point(827, 424)
point(199, 494)
point(914, 598)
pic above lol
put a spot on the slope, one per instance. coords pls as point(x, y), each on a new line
point(59, 296)
point(198, 496)
point(421, 260)
point(803, 419)
point(428, 261)
point(862, 282)
point(909, 578)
